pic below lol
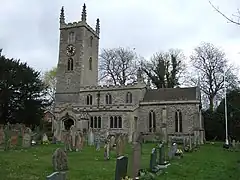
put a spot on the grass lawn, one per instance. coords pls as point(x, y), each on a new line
point(211, 162)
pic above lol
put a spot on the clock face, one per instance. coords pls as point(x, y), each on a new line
point(71, 50)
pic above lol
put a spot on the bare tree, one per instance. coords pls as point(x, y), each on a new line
point(235, 19)
point(165, 69)
point(118, 66)
point(209, 64)
point(49, 78)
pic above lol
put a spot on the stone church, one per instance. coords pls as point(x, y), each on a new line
point(81, 102)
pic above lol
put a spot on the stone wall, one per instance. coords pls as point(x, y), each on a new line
point(190, 116)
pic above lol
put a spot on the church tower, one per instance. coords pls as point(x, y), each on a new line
point(78, 57)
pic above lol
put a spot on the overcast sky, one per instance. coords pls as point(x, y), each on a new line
point(29, 28)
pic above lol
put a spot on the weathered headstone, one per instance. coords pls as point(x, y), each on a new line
point(121, 167)
point(97, 142)
point(237, 146)
point(14, 140)
point(67, 141)
point(59, 160)
point(57, 176)
point(172, 151)
point(112, 141)
point(161, 159)
point(78, 139)
point(136, 158)
point(90, 137)
point(153, 160)
point(107, 150)
point(44, 138)
point(234, 144)
point(26, 141)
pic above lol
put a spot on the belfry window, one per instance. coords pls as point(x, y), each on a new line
point(71, 37)
point(70, 64)
point(90, 63)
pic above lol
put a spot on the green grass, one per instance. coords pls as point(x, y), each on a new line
point(209, 163)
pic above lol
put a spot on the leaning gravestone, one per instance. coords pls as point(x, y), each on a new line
point(121, 167)
point(153, 160)
point(57, 176)
point(59, 160)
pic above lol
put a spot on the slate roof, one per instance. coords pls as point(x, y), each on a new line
point(170, 94)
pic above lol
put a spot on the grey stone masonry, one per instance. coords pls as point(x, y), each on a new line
point(81, 102)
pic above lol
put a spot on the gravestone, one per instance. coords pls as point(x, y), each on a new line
point(2, 136)
point(97, 142)
point(59, 160)
point(26, 141)
point(57, 176)
point(172, 151)
point(153, 160)
point(44, 138)
point(121, 167)
point(107, 150)
point(234, 144)
point(237, 146)
point(136, 158)
point(161, 157)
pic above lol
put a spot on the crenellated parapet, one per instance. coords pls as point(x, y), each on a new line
point(82, 23)
point(113, 87)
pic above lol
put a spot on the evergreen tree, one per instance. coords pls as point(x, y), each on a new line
point(21, 93)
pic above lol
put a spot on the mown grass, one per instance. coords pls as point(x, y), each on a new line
point(210, 162)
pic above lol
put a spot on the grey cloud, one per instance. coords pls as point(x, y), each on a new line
point(29, 29)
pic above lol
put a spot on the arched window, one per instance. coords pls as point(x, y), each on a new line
point(96, 122)
point(89, 99)
point(70, 64)
point(90, 41)
point(111, 122)
point(71, 37)
point(108, 99)
point(119, 122)
point(99, 122)
point(116, 122)
point(152, 121)
point(90, 63)
point(129, 97)
point(91, 122)
point(178, 121)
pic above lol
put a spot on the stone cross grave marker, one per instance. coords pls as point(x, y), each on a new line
point(59, 160)
point(136, 159)
point(121, 167)
point(57, 176)
point(153, 160)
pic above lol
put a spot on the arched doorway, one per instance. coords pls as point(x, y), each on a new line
point(68, 123)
